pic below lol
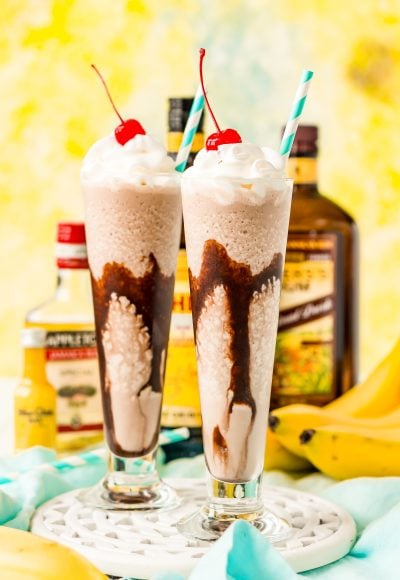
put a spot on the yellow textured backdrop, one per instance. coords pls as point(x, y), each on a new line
point(52, 108)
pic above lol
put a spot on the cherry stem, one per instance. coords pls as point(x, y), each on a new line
point(202, 55)
point(107, 91)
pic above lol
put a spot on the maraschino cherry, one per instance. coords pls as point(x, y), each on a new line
point(128, 129)
point(226, 137)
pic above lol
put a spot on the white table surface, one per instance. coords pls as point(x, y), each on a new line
point(7, 415)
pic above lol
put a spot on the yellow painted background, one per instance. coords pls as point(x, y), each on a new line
point(52, 108)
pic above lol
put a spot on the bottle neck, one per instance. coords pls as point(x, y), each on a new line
point(35, 364)
point(303, 171)
point(174, 140)
point(73, 284)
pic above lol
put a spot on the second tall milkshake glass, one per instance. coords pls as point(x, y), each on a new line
point(133, 222)
point(236, 231)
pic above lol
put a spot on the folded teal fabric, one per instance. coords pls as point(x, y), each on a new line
point(35, 485)
point(242, 553)
point(34, 479)
point(374, 504)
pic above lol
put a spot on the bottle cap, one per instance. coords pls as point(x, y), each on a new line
point(71, 246)
point(306, 142)
point(33, 337)
point(178, 114)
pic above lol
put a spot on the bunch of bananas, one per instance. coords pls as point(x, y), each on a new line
point(356, 435)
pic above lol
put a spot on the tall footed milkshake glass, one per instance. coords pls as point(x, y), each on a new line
point(236, 231)
point(133, 220)
point(236, 205)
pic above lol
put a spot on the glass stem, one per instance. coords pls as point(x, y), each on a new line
point(230, 501)
point(130, 478)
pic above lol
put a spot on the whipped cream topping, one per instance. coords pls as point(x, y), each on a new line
point(108, 162)
point(242, 160)
point(235, 173)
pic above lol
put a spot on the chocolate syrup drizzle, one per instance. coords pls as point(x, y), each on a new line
point(152, 296)
point(218, 269)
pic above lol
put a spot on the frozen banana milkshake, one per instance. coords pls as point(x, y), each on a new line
point(236, 204)
point(133, 220)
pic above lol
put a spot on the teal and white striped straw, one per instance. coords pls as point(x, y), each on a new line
point(190, 131)
point(173, 436)
point(62, 465)
point(295, 114)
point(95, 457)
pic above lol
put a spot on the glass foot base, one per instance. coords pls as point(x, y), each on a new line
point(228, 502)
point(155, 497)
point(200, 526)
point(131, 484)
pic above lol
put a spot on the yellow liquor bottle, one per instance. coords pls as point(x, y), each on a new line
point(181, 402)
point(34, 396)
point(71, 354)
point(317, 342)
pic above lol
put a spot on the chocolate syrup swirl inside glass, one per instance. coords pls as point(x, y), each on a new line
point(152, 296)
point(240, 286)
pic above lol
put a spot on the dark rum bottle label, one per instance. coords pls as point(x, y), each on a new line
point(305, 348)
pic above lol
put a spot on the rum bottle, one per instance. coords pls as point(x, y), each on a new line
point(317, 342)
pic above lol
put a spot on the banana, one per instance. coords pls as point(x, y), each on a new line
point(277, 457)
point(378, 394)
point(343, 452)
point(24, 556)
point(288, 422)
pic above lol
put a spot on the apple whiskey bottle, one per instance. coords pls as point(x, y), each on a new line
point(181, 403)
point(317, 343)
point(71, 353)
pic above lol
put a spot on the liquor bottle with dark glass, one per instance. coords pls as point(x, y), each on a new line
point(181, 404)
point(317, 344)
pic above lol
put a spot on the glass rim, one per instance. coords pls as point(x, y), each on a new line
point(173, 176)
point(238, 180)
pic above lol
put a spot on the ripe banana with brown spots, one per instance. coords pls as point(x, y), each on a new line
point(344, 452)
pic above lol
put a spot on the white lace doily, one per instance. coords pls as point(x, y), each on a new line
point(123, 543)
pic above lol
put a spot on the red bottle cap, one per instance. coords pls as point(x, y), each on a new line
point(71, 246)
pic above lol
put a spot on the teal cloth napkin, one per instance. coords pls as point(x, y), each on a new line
point(242, 553)
point(34, 485)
